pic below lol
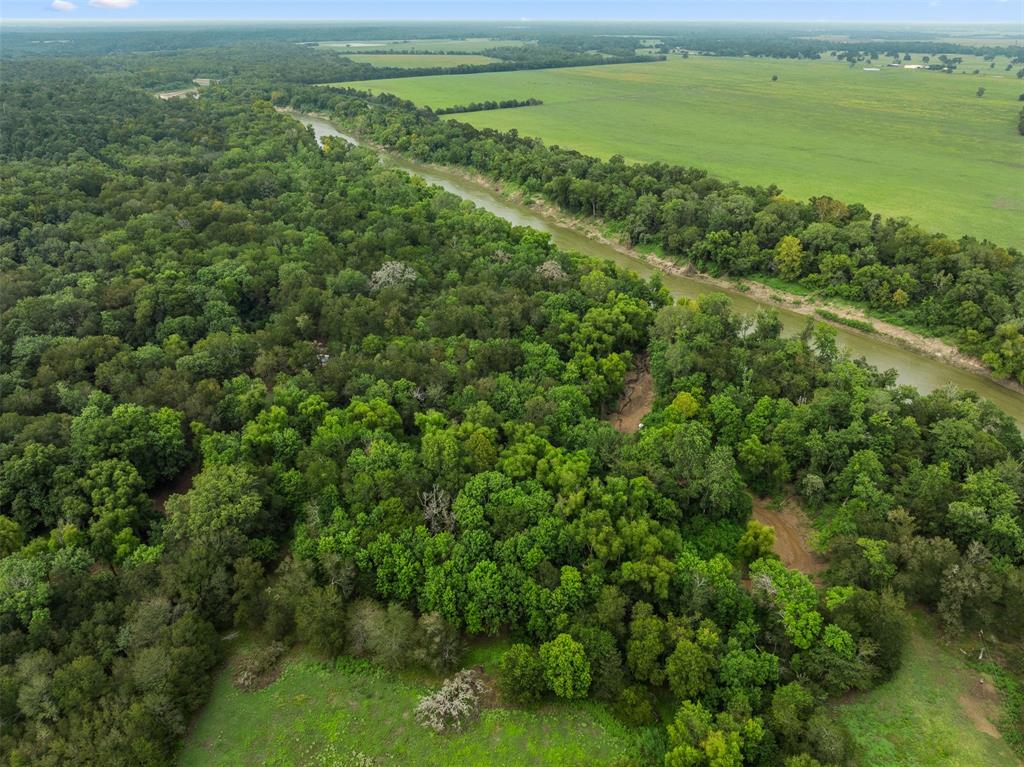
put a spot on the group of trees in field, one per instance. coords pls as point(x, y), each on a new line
point(484, 106)
point(969, 290)
point(251, 385)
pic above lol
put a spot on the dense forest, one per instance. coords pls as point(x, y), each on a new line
point(968, 290)
point(252, 385)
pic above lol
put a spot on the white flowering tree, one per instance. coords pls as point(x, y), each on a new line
point(392, 273)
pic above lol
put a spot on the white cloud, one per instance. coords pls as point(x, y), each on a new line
point(115, 4)
point(62, 5)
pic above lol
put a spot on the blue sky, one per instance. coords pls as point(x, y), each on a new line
point(933, 11)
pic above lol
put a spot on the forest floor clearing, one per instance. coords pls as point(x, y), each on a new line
point(637, 399)
point(338, 713)
point(177, 486)
point(168, 95)
point(792, 535)
point(934, 711)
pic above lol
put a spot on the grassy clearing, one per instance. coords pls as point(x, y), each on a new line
point(322, 714)
point(923, 716)
point(888, 139)
point(466, 45)
point(415, 60)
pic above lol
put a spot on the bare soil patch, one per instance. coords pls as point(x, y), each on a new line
point(168, 95)
point(637, 399)
point(980, 702)
point(792, 535)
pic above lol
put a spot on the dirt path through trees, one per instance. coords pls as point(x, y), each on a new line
point(792, 535)
point(637, 399)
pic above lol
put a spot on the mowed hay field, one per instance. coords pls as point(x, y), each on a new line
point(415, 60)
point(903, 142)
point(356, 713)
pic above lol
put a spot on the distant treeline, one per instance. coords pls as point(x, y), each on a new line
point(386, 51)
point(257, 65)
point(795, 47)
point(964, 289)
point(578, 39)
point(539, 58)
point(485, 106)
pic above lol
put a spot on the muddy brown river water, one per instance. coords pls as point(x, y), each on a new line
point(914, 368)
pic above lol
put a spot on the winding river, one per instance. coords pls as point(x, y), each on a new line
point(916, 369)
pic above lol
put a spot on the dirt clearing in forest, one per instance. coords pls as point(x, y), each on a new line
point(637, 399)
point(792, 534)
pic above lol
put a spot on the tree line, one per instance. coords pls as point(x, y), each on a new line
point(484, 106)
point(577, 38)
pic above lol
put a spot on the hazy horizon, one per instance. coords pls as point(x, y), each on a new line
point(787, 11)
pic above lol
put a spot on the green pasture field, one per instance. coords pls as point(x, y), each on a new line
point(466, 45)
point(920, 718)
point(414, 60)
point(336, 714)
point(903, 142)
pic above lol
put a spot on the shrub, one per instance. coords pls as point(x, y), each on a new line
point(605, 660)
point(635, 706)
point(566, 669)
point(521, 674)
point(363, 626)
point(291, 584)
point(252, 669)
point(756, 542)
point(319, 620)
point(438, 644)
point(455, 705)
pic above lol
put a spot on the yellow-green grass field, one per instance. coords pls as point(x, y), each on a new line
point(932, 713)
point(903, 142)
point(416, 60)
point(430, 45)
point(339, 714)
